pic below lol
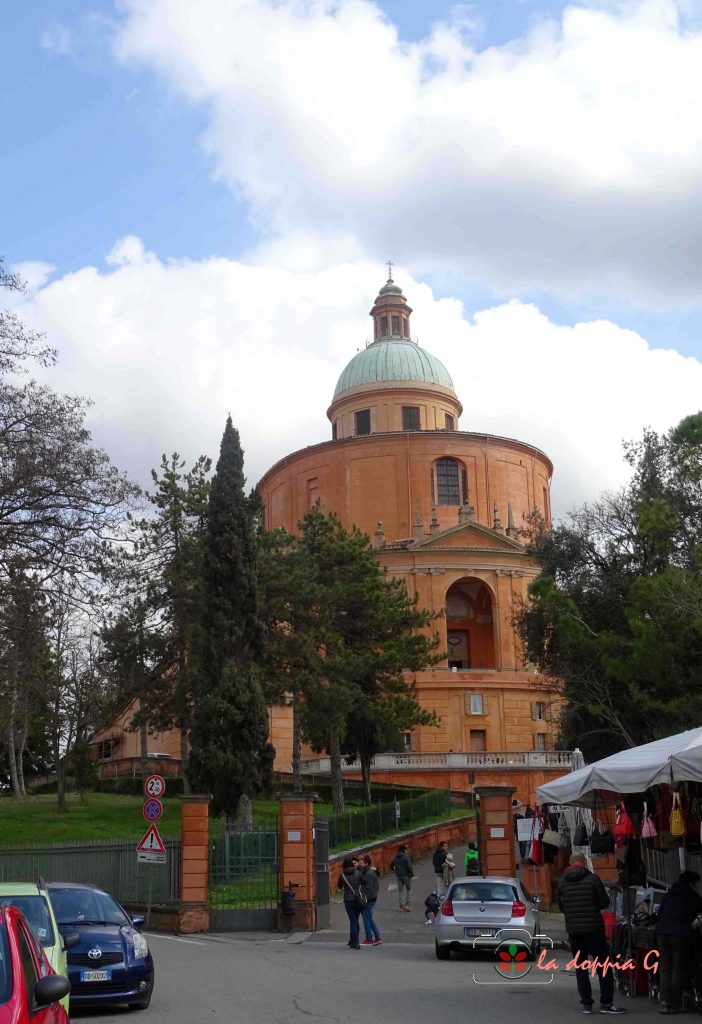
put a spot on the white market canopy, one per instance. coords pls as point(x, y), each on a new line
point(670, 760)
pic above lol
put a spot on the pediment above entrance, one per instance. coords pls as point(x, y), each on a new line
point(468, 535)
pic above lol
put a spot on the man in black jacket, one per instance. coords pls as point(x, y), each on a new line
point(679, 908)
point(438, 860)
point(582, 897)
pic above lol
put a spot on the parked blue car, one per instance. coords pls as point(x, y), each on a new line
point(112, 963)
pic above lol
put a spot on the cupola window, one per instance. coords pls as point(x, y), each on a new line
point(450, 423)
point(396, 326)
point(384, 326)
point(363, 422)
point(334, 430)
point(410, 417)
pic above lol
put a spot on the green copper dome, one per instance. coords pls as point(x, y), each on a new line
point(396, 359)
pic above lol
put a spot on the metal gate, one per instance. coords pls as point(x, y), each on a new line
point(321, 860)
point(243, 880)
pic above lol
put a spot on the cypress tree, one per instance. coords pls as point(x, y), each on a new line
point(230, 754)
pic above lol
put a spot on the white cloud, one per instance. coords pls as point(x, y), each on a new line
point(569, 160)
point(57, 38)
point(168, 349)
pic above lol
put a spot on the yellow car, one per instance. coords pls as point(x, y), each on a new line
point(33, 900)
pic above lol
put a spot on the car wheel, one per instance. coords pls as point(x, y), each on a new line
point(143, 1004)
point(442, 952)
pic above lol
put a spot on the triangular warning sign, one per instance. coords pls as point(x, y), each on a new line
point(151, 842)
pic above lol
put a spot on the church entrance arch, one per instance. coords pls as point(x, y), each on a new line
point(469, 625)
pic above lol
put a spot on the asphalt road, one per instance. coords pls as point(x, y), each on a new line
point(276, 981)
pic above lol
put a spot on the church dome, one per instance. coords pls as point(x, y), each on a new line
point(394, 359)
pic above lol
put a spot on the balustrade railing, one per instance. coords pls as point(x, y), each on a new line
point(497, 759)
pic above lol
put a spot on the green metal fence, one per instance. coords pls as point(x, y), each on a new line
point(244, 870)
point(354, 826)
point(110, 863)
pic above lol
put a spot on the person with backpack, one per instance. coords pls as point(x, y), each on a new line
point(401, 864)
point(432, 904)
point(471, 863)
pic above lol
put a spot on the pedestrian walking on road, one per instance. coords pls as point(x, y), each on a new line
point(352, 882)
point(372, 885)
point(471, 863)
point(438, 859)
point(448, 871)
point(679, 908)
point(401, 864)
point(582, 897)
point(431, 908)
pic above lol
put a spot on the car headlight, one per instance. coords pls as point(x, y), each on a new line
point(140, 947)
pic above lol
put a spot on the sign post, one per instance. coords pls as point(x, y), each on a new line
point(150, 849)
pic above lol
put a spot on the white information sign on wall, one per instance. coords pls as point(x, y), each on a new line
point(497, 833)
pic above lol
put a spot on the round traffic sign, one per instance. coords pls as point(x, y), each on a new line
point(153, 809)
point(155, 786)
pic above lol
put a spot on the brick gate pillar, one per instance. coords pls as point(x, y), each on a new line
point(194, 913)
point(496, 830)
point(297, 863)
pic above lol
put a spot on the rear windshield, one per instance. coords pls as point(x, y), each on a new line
point(82, 906)
point(36, 911)
point(5, 967)
point(493, 892)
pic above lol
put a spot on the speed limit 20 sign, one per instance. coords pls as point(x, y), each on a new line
point(155, 786)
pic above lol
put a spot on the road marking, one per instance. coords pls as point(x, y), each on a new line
point(173, 938)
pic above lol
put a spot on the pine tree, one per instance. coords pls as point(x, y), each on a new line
point(230, 755)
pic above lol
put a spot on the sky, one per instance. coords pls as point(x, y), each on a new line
point(202, 198)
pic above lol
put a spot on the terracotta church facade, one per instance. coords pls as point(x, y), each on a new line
point(443, 509)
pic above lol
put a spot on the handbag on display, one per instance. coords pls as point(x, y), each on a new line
point(648, 829)
point(580, 836)
point(550, 837)
point(677, 822)
point(601, 839)
point(563, 833)
point(624, 827)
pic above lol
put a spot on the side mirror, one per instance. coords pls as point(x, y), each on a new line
point(138, 920)
point(70, 940)
point(537, 900)
point(51, 989)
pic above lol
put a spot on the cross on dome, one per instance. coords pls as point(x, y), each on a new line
point(390, 265)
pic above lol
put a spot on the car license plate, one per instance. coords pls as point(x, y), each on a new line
point(96, 975)
point(473, 933)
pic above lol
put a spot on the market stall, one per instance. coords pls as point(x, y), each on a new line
point(638, 812)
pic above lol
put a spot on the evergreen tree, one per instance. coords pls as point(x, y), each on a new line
point(82, 767)
point(230, 754)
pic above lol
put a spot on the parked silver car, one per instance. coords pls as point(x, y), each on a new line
point(481, 912)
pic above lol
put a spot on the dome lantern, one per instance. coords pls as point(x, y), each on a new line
point(393, 384)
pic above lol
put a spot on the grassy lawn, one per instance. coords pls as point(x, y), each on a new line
point(102, 816)
point(455, 812)
point(111, 816)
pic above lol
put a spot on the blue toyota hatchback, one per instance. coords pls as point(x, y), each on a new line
point(112, 963)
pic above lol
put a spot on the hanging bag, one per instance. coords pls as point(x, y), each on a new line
point(563, 833)
point(580, 836)
point(537, 850)
point(601, 839)
point(648, 829)
point(624, 827)
point(677, 822)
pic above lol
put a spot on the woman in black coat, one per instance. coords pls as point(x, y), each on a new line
point(679, 908)
point(351, 881)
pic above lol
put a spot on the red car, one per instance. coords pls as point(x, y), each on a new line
point(29, 989)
